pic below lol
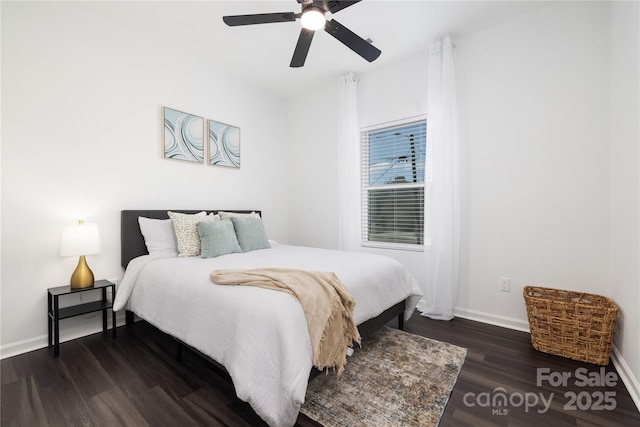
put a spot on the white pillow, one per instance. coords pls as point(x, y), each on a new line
point(228, 215)
point(159, 236)
point(187, 233)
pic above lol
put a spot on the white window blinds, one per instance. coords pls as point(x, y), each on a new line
point(393, 174)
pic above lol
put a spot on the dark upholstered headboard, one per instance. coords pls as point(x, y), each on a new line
point(131, 239)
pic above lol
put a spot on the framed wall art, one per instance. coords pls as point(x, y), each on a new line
point(224, 144)
point(182, 136)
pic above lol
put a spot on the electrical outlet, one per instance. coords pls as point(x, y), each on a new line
point(504, 284)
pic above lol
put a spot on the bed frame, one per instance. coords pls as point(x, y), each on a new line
point(133, 246)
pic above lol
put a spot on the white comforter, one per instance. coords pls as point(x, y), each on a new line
point(260, 336)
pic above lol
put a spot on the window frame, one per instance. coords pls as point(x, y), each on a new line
point(366, 188)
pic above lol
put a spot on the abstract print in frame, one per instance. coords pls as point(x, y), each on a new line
point(224, 145)
point(183, 136)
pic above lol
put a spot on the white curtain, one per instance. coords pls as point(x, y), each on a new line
point(442, 213)
point(348, 164)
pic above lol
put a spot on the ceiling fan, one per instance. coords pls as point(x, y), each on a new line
point(312, 17)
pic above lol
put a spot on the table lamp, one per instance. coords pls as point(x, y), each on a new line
point(80, 240)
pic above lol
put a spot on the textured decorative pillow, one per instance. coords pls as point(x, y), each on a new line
point(250, 232)
point(228, 215)
point(217, 238)
point(159, 236)
point(186, 232)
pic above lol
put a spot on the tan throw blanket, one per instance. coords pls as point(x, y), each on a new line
point(327, 305)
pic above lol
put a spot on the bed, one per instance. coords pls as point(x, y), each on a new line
point(259, 336)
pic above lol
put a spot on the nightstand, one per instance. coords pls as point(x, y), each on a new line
point(56, 313)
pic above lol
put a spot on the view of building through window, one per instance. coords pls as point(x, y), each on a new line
point(393, 172)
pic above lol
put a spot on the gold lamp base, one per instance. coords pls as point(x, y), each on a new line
point(82, 277)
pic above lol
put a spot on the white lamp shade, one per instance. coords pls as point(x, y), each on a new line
point(81, 239)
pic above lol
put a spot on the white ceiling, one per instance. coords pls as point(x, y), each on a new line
point(260, 54)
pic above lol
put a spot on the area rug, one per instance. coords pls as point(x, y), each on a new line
point(395, 379)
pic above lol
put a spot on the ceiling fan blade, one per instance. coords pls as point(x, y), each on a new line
point(335, 5)
point(302, 48)
point(259, 18)
point(352, 40)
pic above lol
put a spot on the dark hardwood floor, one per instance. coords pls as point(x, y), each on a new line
point(136, 380)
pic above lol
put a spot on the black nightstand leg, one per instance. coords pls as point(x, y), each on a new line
point(113, 313)
point(50, 320)
point(104, 311)
point(56, 327)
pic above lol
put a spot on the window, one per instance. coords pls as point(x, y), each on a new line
point(393, 170)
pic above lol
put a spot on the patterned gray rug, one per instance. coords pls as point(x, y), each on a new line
point(395, 379)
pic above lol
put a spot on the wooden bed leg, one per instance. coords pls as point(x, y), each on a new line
point(129, 317)
point(401, 321)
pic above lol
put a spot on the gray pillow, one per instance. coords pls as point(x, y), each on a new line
point(217, 238)
point(250, 232)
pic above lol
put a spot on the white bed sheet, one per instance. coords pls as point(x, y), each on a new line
point(259, 336)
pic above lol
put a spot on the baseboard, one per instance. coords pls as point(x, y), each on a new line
point(492, 319)
point(37, 343)
point(25, 346)
point(626, 375)
point(630, 381)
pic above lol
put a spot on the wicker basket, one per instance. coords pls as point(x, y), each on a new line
point(571, 324)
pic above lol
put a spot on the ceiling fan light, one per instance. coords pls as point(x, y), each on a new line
point(313, 19)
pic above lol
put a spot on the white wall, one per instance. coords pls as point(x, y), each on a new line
point(81, 139)
point(313, 162)
point(534, 100)
point(625, 181)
